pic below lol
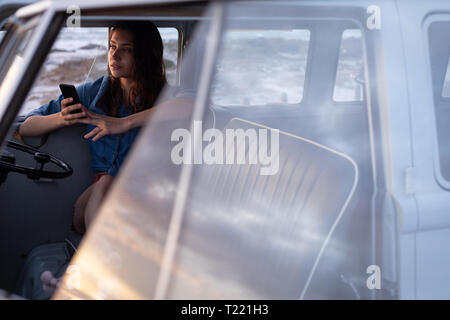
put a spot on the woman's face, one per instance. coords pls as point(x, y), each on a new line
point(120, 55)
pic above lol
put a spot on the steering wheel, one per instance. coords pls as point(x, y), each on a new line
point(7, 163)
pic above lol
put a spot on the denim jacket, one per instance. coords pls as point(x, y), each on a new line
point(109, 152)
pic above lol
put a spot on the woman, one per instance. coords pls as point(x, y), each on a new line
point(113, 107)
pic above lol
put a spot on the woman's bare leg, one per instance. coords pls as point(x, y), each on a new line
point(98, 193)
point(79, 209)
point(85, 210)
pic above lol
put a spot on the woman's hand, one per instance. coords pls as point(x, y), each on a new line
point(66, 117)
point(105, 124)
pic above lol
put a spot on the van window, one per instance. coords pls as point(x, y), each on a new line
point(77, 56)
point(258, 67)
point(446, 86)
point(350, 73)
point(170, 40)
point(13, 59)
point(2, 34)
point(439, 62)
point(80, 55)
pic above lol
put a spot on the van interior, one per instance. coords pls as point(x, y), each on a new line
point(38, 212)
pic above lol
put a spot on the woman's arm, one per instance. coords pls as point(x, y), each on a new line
point(39, 125)
point(173, 109)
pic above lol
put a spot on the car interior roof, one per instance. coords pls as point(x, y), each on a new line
point(179, 10)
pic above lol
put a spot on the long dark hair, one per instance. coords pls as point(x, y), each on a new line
point(149, 70)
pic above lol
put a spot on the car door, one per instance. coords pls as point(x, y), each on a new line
point(77, 56)
point(208, 226)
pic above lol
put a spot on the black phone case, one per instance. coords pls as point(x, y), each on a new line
point(69, 91)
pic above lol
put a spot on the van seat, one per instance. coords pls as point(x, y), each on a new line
point(263, 235)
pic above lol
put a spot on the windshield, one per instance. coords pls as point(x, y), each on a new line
point(12, 57)
point(241, 198)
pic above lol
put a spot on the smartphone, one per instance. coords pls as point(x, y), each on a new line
point(69, 91)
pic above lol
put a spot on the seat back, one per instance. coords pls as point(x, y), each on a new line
point(262, 235)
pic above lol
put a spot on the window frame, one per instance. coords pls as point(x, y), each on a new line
point(100, 22)
point(352, 102)
point(428, 21)
point(309, 23)
point(46, 32)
